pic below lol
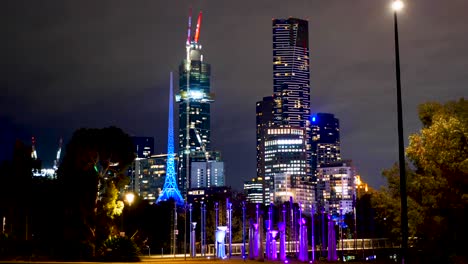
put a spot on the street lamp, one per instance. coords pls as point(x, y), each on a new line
point(130, 197)
point(243, 230)
point(397, 5)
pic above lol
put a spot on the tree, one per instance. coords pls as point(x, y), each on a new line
point(440, 155)
point(437, 183)
point(15, 205)
point(91, 172)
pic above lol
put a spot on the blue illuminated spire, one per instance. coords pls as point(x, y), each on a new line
point(170, 189)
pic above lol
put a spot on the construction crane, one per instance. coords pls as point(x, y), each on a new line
point(33, 149)
point(207, 154)
point(57, 158)
point(202, 144)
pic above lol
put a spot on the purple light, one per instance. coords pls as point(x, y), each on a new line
point(286, 261)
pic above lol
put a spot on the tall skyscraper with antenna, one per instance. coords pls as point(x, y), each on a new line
point(170, 189)
point(194, 100)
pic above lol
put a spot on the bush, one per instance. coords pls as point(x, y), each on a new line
point(119, 249)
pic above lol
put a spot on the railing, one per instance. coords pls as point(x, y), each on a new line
point(348, 244)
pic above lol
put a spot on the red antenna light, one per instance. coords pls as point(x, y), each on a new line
point(197, 31)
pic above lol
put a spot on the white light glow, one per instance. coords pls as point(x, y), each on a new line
point(196, 94)
point(397, 5)
point(130, 197)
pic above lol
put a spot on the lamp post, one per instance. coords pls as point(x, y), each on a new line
point(397, 5)
point(129, 197)
point(190, 223)
point(243, 230)
point(185, 231)
point(216, 228)
point(203, 230)
point(312, 230)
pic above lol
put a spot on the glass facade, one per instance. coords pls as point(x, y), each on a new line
point(254, 191)
point(285, 165)
point(325, 140)
point(291, 77)
point(335, 187)
point(194, 89)
point(291, 74)
point(148, 176)
point(207, 174)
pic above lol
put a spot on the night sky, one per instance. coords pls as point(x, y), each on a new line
point(71, 64)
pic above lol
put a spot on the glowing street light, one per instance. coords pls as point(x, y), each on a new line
point(130, 197)
point(397, 5)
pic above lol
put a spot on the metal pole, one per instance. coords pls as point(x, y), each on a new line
point(204, 231)
point(185, 232)
point(257, 206)
point(324, 247)
point(291, 228)
point(341, 233)
point(401, 150)
point(190, 222)
point(216, 228)
point(313, 232)
point(201, 228)
point(243, 229)
point(355, 230)
point(229, 219)
point(284, 219)
point(175, 229)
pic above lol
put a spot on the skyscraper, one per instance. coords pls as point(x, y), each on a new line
point(291, 76)
point(325, 140)
point(264, 119)
point(194, 99)
point(282, 116)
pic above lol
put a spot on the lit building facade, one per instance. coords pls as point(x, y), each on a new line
point(285, 165)
point(207, 174)
point(148, 176)
point(253, 191)
point(264, 120)
point(194, 100)
point(209, 196)
point(325, 140)
point(336, 187)
point(291, 77)
point(283, 188)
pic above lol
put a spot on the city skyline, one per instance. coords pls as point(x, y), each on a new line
point(102, 64)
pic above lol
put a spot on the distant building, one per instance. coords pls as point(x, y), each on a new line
point(336, 187)
point(208, 195)
point(194, 98)
point(285, 165)
point(325, 140)
point(253, 191)
point(144, 146)
point(147, 176)
point(264, 119)
point(207, 174)
point(283, 189)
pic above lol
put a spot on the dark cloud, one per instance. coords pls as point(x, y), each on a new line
point(71, 64)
